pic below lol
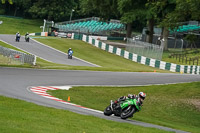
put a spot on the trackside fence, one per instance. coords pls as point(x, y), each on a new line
point(19, 56)
point(190, 69)
point(145, 49)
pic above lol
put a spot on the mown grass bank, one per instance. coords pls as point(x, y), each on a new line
point(18, 116)
point(85, 51)
point(13, 25)
point(175, 106)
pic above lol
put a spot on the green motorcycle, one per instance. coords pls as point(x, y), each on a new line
point(124, 109)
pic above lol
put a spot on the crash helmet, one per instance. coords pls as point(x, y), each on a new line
point(142, 95)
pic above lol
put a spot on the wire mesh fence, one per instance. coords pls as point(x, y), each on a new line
point(8, 61)
point(145, 49)
point(18, 56)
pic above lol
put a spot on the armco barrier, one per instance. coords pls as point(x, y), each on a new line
point(141, 59)
point(22, 57)
point(39, 34)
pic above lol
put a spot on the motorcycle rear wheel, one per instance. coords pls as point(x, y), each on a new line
point(108, 111)
point(128, 112)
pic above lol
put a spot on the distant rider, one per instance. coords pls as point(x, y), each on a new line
point(27, 34)
point(70, 52)
point(27, 37)
point(17, 36)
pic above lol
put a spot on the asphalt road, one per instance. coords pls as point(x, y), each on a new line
point(44, 52)
point(15, 83)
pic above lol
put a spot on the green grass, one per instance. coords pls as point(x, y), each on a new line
point(8, 62)
point(13, 25)
point(18, 116)
point(85, 51)
point(9, 46)
point(175, 106)
point(190, 54)
point(107, 61)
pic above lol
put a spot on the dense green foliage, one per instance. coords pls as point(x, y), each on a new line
point(136, 14)
point(175, 106)
point(165, 12)
point(57, 10)
point(106, 9)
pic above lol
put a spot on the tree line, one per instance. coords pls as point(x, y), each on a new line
point(134, 13)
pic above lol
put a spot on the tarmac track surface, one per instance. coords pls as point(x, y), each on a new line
point(15, 83)
point(44, 52)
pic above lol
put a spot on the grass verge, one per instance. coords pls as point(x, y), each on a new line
point(18, 116)
point(107, 61)
point(176, 106)
point(85, 51)
point(13, 25)
point(181, 59)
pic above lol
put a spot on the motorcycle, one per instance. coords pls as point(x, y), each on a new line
point(17, 38)
point(70, 54)
point(27, 38)
point(124, 109)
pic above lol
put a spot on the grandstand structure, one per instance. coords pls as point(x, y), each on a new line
point(177, 34)
point(90, 26)
point(185, 27)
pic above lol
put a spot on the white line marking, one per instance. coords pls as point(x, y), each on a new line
point(65, 53)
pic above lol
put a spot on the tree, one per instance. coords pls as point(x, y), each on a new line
point(105, 9)
point(180, 11)
point(127, 11)
point(191, 39)
point(21, 5)
point(56, 10)
point(131, 10)
point(186, 10)
point(164, 8)
point(15, 6)
point(4, 1)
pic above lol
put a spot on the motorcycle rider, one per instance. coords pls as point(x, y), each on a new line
point(27, 37)
point(70, 49)
point(141, 96)
point(70, 52)
point(17, 36)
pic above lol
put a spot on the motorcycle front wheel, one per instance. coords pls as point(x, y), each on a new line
point(108, 111)
point(128, 112)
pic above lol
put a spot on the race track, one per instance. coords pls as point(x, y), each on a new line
point(16, 83)
point(44, 52)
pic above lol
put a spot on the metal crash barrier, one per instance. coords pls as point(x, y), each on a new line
point(16, 55)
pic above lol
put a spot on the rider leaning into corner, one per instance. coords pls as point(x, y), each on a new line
point(141, 96)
